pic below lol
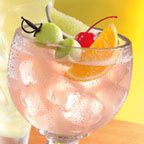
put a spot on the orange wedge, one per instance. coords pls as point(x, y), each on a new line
point(107, 39)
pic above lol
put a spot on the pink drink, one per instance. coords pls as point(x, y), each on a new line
point(59, 105)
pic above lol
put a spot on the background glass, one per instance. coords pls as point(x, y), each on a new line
point(13, 128)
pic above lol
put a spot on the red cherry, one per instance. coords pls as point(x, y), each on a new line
point(87, 38)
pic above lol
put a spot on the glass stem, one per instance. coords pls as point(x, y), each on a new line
point(59, 139)
point(50, 141)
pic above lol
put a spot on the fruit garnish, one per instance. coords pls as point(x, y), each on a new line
point(68, 49)
point(80, 72)
point(48, 13)
point(106, 39)
point(49, 33)
point(44, 33)
point(35, 29)
point(64, 50)
point(68, 24)
point(87, 38)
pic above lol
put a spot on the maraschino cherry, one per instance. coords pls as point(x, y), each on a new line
point(86, 39)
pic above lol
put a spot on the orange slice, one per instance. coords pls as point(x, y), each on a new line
point(107, 39)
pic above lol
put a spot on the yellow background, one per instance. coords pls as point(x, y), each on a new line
point(130, 23)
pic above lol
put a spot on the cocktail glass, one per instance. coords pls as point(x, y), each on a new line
point(56, 99)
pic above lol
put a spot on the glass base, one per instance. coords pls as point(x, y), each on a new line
point(49, 141)
point(6, 140)
point(58, 139)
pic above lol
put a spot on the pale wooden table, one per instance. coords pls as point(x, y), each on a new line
point(116, 132)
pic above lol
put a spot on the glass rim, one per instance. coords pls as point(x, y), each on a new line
point(127, 42)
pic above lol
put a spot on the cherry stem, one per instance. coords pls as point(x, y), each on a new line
point(101, 21)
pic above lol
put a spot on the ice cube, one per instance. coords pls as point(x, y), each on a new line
point(33, 70)
point(26, 72)
point(58, 91)
point(60, 68)
point(31, 98)
point(90, 84)
point(111, 95)
point(71, 100)
point(83, 110)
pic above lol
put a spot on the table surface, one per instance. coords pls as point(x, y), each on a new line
point(116, 132)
